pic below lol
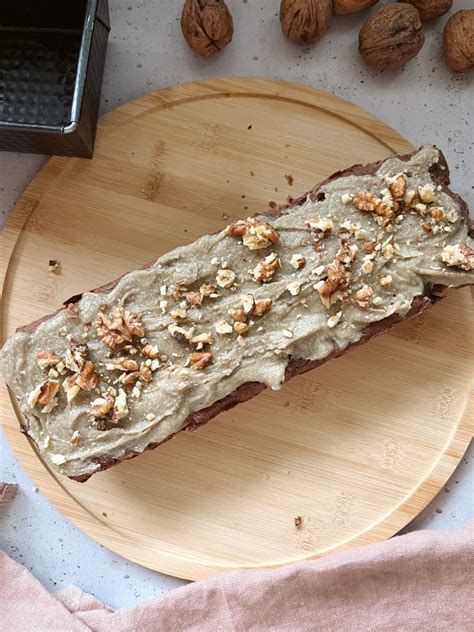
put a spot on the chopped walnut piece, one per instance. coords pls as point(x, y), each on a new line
point(48, 392)
point(452, 216)
point(388, 251)
point(120, 408)
point(347, 251)
point(420, 208)
point(368, 247)
point(75, 437)
point(53, 266)
point(88, 377)
point(150, 351)
point(46, 358)
point(248, 303)
point(459, 256)
point(128, 378)
point(200, 359)
point(333, 320)
point(410, 198)
point(265, 270)
point(123, 327)
point(426, 226)
point(397, 186)
point(321, 224)
point(366, 201)
point(179, 313)
point(204, 338)
point(223, 328)
point(71, 388)
point(367, 266)
point(237, 315)
point(207, 289)
point(437, 213)
point(102, 407)
point(72, 310)
point(337, 281)
point(121, 364)
point(298, 521)
point(225, 278)
point(241, 328)
point(294, 288)
point(194, 298)
point(256, 234)
point(297, 261)
point(181, 334)
point(385, 280)
point(261, 306)
point(145, 373)
point(427, 193)
point(76, 356)
point(363, 296)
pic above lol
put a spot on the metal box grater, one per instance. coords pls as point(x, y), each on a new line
point(52, 56)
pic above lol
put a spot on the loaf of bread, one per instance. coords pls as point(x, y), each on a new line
point(123, 368)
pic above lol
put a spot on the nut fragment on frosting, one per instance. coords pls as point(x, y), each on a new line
point(223, 328)
point(297, 261)
point(256, 234)
point(265, 270)
point(333, 320)
point(330, 289)
point(122, 327)
point(427, 193)
point(363, 296)
point(262, 306)
point(367, 202)
point(225, 278)
point(294, 288)
point(44, 394)
point(321, 224)
point(459, 256)
point(87, 378)
point(200, 359)
point(241, 328)
point(46, 358)
point(397, 186)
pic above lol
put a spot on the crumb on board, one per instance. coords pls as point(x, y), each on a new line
point(53, 266)
point(298, 521)
point(104, 514)
point(272, 204)
point(225, 216)
point(289, 179)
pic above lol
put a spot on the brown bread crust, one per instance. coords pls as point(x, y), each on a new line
point(296, 366)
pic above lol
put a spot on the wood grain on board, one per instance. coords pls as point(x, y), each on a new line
point(356, 448)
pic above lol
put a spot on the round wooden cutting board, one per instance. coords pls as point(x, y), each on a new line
point(356, 447)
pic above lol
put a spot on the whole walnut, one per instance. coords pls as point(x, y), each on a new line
point(207, 25)
point(429, 9)
point(391, 37)
point(458, 40)
point(305, 21)
point(343, 7)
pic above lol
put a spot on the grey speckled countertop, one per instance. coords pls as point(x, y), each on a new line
point(425, 102)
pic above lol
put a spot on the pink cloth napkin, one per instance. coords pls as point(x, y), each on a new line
point(416, 582)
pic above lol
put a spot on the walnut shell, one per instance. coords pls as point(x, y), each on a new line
point(305, 21)
point(458, 40)
point(207, 25)
point(343, 7)
point(430, 9)
point(391, 37)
